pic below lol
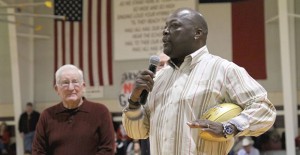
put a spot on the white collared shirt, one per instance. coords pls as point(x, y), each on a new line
point(201, 82)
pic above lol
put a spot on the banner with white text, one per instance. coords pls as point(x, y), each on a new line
point(138, 25)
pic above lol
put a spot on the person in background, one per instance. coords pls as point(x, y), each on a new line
point(4, 138)
point(237, 145)
point(163, 61)
point(75, 126)
point(193, 82)
point(248, 148)
point(134, 148)
point(27, 126)
point(123, 140)
point(2, 150)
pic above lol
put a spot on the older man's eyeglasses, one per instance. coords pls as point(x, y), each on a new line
point(66, 84)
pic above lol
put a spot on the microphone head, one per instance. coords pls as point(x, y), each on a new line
point(154, 60)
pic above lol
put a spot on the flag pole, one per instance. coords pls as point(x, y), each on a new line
point(36, 28)
point(46, 3)
point(34, 15)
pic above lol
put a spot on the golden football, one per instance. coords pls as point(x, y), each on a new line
point(219, 113)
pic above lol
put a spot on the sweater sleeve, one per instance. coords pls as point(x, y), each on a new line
point(106, 134)
point(136, 122)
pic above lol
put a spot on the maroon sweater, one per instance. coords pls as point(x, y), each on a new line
point(87, 130)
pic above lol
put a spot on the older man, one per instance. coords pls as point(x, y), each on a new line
point(194, 81)
point(74, 126)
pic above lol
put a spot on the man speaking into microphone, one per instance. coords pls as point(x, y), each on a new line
point(193, 82)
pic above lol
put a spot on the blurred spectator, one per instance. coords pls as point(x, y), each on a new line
point(297, 142)
point(136, 147)
point(163, 59)
point(283, 140)
point(268, 141)
point(4, 138)
point(1, 146)
point(122, 141)
point(248, 148)
point(133, 148)
point(27, 125)
point(145, 146)
point(237, 145)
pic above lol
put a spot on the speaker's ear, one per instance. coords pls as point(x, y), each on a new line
point(198, 33)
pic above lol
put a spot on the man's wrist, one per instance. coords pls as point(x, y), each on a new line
point(133, 105)
point(235, 130)
point(133, 98)
point(229, 130)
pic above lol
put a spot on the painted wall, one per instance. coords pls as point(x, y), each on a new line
point(297, 34)
point(5, 72)
point(219, 21)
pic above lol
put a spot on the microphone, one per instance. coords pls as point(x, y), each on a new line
point(154, 61)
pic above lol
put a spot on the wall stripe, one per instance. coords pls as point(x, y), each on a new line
point(248, 37)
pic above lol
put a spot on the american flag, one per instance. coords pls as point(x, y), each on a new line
point(85, 38)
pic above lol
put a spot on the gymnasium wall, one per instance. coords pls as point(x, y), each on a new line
point(40, 89)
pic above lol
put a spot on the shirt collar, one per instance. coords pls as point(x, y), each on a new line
point(198, 55)
point(193, 58)
point(82, 108)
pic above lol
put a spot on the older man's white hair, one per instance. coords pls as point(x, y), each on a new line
point(67, 67)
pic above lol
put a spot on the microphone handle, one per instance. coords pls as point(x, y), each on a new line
point(144, 95)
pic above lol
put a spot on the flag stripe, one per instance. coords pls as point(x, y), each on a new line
point(80, 43)
point(99, 44)
point(75, 43)
point(94, 43)
point(85, 42)
point(63, 42)
point(67, 42)
point(90, 60)
point(104, 42)
point(109, 42)
point(72, 42)
point(55, 48)
point(59, 41)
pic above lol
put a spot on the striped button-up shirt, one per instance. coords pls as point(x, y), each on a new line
point(202, 81)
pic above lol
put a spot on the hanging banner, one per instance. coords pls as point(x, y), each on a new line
point(138, 26)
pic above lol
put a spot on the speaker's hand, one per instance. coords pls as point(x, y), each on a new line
point(144, 81)
point(207, 125)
